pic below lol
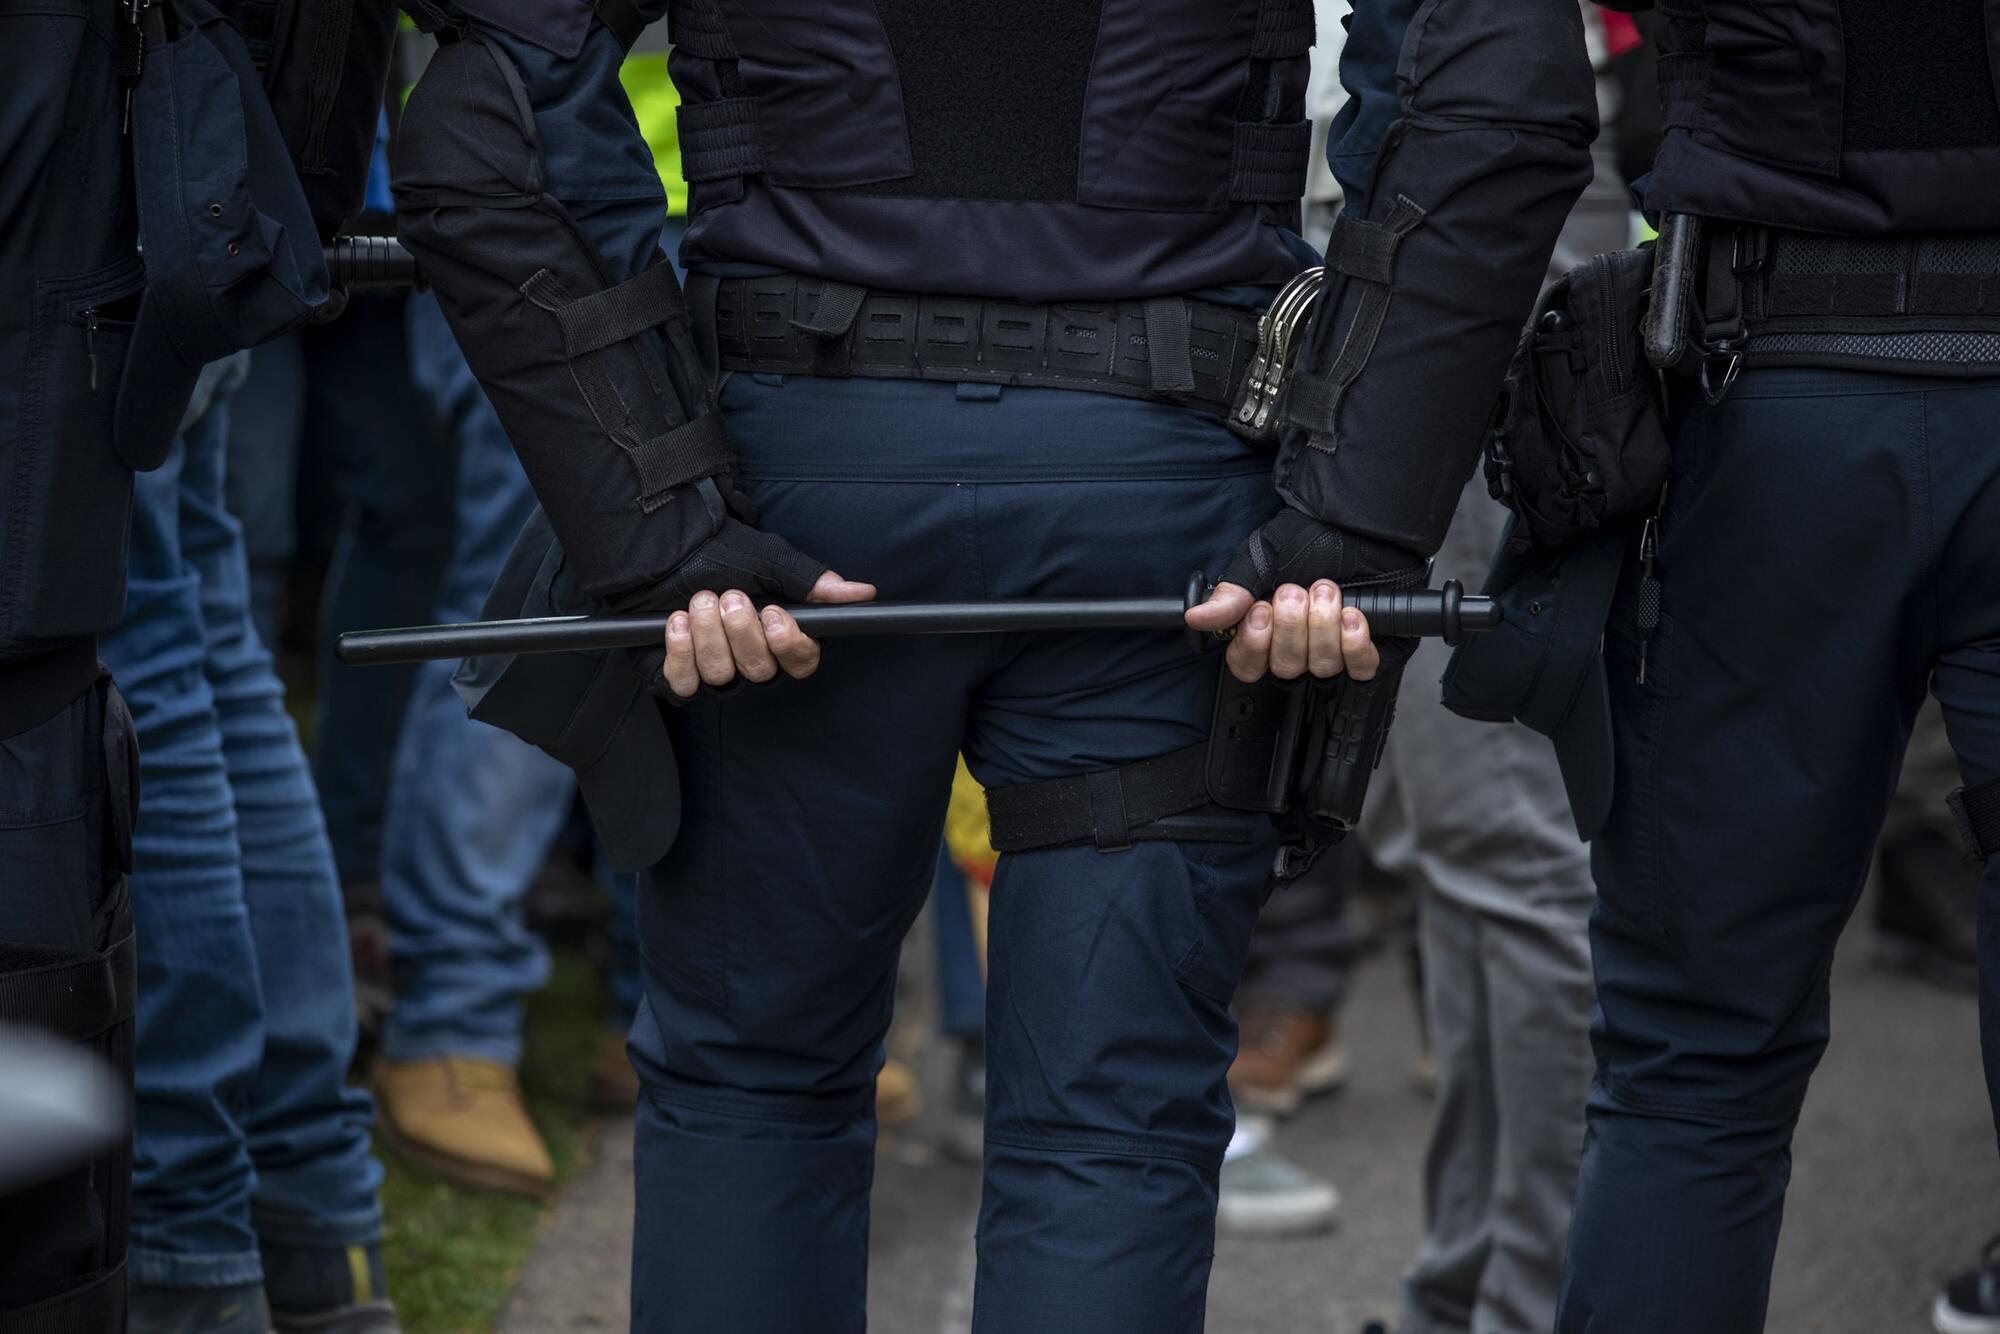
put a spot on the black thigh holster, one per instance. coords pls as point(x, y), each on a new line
point(85, 997)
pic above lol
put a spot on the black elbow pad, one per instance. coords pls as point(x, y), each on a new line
point(597, 382)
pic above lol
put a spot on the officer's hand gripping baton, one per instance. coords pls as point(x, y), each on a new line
point(1446, 612)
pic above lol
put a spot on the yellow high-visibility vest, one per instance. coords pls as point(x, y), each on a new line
point(656, 102)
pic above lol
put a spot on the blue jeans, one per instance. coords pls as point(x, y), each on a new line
point(246, 1129)
point(266, 429)
point(339, 397)
point(625, 983)
point(961, 986)
point(472, 811)
point(1830, 548)
point(812, 814)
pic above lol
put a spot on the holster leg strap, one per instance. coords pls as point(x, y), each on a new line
point(1162, 798)
point(1976, 812)
point(76, 996)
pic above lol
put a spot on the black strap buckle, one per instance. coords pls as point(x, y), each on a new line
point(1724, 328)
point(1976, 812)
point(1729, 356)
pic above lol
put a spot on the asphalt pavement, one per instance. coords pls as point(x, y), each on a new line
point(1895, 1184)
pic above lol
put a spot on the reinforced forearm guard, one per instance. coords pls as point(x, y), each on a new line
point(597, 381)
point(1433, 268)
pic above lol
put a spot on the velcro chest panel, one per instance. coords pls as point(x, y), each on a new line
point(1188, 105)
point(1802, 84)
point(809, 93)
point(1921, 76)
point(1761, 79)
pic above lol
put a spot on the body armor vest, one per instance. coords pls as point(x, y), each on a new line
point(1032, 149)
point(1857, 116)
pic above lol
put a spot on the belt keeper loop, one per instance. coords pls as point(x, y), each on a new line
point(1169, 354)
point(831, 327)
point(1113, 831)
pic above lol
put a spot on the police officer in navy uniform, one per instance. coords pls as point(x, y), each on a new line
point(69, 283)
point(102, 347)
point(1829, 550)
point(982, 282)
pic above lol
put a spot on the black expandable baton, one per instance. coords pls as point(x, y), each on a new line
point(1446, 613)
point(360, 262)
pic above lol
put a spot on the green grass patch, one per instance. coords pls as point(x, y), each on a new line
point(452, 1255)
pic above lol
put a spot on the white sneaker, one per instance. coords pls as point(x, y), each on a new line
point(1970, 1303)
point(1265, 1195)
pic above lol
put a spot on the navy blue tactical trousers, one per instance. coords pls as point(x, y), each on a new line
point(1830, 548)
point(809, 841)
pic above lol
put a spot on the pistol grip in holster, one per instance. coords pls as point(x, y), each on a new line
point(1301, 751)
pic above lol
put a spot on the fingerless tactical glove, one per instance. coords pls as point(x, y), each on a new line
point(1295, 548)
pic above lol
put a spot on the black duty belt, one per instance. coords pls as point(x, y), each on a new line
point(1172, 349)
point(1928, 304)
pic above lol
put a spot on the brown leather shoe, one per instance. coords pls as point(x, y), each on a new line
point(462, 1118)
point(1285, 1053)
point(897, 1098)
point(614, 1084)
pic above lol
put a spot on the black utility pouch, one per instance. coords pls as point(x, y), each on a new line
point(1579, 437)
